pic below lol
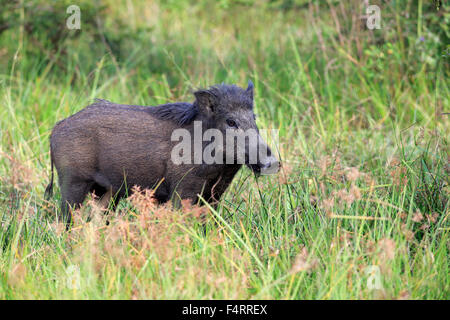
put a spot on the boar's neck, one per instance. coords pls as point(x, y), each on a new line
point(181, 113)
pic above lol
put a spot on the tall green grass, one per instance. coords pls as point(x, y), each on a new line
point(363, 193)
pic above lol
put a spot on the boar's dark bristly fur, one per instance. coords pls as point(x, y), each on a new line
point(108, 148)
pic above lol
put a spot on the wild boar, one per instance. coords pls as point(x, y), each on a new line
point(108, 148)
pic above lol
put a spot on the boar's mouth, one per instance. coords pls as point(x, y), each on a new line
point(256, 169)
point(271, 167)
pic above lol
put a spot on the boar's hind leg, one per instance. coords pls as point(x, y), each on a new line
point(105, 199)
point(73, 194)
point(109, 200)
point(109, 195)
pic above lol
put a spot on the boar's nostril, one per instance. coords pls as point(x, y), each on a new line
point(274, 167)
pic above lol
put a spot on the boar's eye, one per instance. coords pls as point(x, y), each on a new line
point(231, 123)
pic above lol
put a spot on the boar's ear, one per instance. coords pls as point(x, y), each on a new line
point(250, 89)
point(206, 100)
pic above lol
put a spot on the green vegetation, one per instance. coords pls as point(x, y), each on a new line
point(363, 196)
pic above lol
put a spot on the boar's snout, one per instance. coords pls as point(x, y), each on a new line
point(270, 165)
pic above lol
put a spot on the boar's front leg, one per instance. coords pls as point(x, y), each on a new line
point(190, 188)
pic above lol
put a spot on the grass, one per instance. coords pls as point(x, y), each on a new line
point(359, 211)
